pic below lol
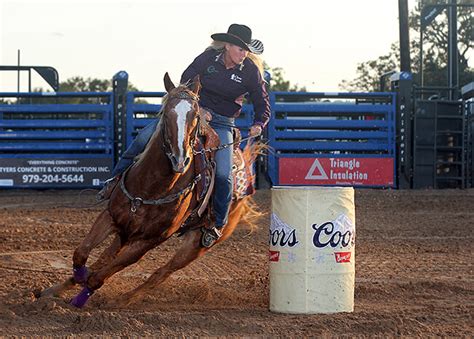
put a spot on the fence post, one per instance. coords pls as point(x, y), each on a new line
point(402, 84)
point(120, 83)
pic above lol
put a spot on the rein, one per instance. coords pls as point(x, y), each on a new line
point(223, 146)
point(138, 201)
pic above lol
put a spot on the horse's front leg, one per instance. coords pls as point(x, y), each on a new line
point(189, 251)
point(108, 254)
point(102, 227)
point(129, 253)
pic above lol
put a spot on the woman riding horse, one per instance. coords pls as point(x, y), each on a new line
point(228, 69)
point(155, 198)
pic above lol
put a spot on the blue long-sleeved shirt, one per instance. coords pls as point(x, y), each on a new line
point(223, 90)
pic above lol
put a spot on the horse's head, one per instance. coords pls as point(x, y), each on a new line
point(180, 119)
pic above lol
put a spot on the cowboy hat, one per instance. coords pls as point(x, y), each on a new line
point(240, 35)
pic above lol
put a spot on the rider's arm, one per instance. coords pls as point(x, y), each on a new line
point(198, 66)
point(260, 100)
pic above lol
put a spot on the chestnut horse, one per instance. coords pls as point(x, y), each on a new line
point(155, 197)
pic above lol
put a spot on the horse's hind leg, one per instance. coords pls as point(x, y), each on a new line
point(189, 251)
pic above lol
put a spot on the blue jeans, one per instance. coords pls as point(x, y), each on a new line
point(224, 183)
point(136, 147)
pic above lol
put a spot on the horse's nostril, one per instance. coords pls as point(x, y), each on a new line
point(186, 161)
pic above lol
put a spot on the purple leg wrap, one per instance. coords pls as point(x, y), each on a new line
point(80, 274)
point(80, 300)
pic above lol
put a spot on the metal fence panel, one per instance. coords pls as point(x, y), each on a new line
point(325, 139)
point(55, 140)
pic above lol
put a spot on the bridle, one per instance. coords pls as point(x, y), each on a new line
point(136, 201)
point(166, 143)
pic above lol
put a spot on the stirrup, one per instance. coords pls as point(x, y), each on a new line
point(210, 236)
point(106, 191)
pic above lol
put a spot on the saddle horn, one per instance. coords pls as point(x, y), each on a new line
point(196, 85)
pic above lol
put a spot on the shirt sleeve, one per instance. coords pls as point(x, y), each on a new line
point(195, 68)
point(260, 100)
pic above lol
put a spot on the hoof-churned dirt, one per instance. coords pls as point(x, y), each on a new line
point(414, 274)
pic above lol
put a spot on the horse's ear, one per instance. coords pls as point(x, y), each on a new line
point(196, 85)
point(168, 83)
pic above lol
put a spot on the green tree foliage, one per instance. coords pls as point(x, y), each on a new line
point(435, 52)
point(278, 82)
point(78, 84)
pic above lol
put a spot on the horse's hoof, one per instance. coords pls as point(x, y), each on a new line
point(80, 274)
point(80, 300)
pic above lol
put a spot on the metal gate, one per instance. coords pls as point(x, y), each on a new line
point(332, 139)
point(140, 114)
point(55, 139)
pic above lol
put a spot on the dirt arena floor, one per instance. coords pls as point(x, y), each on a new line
point(414, 274)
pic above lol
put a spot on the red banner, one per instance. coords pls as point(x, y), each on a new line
point(336, 171)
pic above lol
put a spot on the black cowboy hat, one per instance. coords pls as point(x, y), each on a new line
point(240, 35)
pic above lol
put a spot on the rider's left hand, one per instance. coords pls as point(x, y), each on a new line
point(255, 130)
point(205, 114)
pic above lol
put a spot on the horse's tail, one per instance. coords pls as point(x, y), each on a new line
point(253, 149)
point(250, 211)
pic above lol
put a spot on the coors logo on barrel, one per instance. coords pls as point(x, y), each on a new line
point(337, 233)
point(281, 234)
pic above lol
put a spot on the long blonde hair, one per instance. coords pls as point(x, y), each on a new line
point(220, 46)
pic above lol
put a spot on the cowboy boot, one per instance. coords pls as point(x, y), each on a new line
point(108, 188)
point(210, 236)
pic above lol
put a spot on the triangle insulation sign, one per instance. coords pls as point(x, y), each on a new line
point(316, 172)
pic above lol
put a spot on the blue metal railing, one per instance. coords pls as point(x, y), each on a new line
point(330, 125)
point(139, 114)
point(39, 132)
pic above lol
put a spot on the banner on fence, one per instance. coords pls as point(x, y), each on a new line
point(336, 171)
point(70, 172)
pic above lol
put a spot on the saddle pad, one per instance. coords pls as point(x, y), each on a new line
point(243, 176)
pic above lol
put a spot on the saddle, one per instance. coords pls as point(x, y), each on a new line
point(205, 166)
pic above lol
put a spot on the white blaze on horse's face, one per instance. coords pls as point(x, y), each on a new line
point(182, 109)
